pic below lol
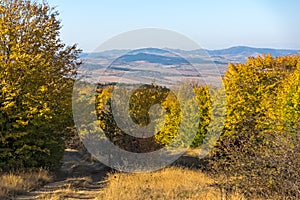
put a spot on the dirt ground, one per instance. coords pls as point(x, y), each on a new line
point(79, 173)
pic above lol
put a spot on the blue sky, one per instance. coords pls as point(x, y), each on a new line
point(213, 24)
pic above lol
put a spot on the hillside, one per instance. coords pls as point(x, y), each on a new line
point(232, 54)
point(166, 64)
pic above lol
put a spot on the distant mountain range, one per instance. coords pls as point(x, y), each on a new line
point(249, 51)
point(241, 53)
point(223, 56)
point(167, 64)
point(151, 58)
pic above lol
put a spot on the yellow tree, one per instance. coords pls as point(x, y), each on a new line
point(253, 152)
point(167, 122)
point(35, 74)
point(290, 102)
point(252, 89)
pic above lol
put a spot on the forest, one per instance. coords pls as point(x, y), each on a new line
point(257, 154)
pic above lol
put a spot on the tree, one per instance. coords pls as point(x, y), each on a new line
point(289, 108)
point(36, 85)
point(252, 89)
point(258, 153)
point(144, 101)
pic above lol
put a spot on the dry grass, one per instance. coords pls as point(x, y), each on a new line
point(77, 188)
point(170, 183)
point(12, 184)
point(67, 193)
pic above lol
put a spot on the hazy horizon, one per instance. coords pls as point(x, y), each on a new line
point(205, 49)
point(212, 24)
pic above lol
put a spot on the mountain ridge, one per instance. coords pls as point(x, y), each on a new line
point(251, 50)
point(230, 50)
point(220, 57)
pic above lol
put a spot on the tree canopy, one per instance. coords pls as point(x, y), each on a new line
point(36, 85)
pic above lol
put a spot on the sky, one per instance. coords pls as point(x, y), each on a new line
point(212, 24)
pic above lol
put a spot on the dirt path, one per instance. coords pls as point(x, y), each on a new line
point(80, 177)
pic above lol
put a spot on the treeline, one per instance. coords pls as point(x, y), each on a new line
point(167, 109)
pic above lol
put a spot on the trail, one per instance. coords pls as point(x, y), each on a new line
point(80, 177)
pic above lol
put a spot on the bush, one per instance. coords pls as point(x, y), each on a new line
point(260, 167)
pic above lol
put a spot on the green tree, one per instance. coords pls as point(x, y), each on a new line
point(36, 85)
